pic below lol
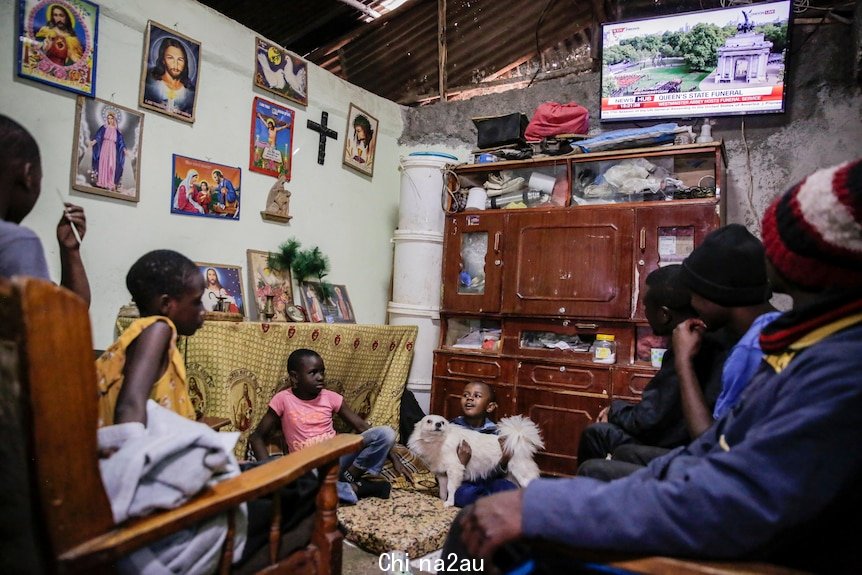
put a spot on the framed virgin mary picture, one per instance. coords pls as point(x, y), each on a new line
point(170, 73)
point(278, 71)
point(106, 149)
point(271, 139)
point(57, 43)
point(360, 141)
point(271, 290)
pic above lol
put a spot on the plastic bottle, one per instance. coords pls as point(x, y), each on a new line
point(604, 349)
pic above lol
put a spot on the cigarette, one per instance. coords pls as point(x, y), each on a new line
point(66, 214)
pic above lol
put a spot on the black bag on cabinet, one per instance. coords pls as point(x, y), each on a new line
point(494, 131)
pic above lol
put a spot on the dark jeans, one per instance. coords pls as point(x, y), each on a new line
point(600, 439)
point(626, 460)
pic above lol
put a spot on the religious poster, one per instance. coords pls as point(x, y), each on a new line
point(223, 296)
point(106, 149)
point(271, 138)
point(333, 309)
point(171, 72)
point(360, 141)
point(57, 43)
point(202, 188)
point(271, 290)
point(278, 71)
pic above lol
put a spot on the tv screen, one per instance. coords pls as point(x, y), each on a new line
point(711, 63)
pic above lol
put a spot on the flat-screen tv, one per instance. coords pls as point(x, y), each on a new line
point(719, 62)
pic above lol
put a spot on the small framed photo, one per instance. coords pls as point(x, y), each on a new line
point(223, 296)
point(360, 141)
point(57, 43)
point(278, 71)
point(271, 139)
point(170, 73)
point(334, 309)
point(202, 188)
point(106, 150)
point(268, 284)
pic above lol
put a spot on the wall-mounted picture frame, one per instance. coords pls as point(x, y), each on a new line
point(360, 140)
point(334, 309)
point(281, 72)
point(106, 150)
point(170, 73)
point(202, 188)
point(223, 297)
point(265, 284)
point(57, 43)
point(271, 145)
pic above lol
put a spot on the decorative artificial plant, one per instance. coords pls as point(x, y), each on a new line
point(303, 264)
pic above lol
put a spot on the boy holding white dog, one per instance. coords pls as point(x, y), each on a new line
point(477, 403)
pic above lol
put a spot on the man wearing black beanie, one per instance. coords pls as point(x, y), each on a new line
point(726, 274)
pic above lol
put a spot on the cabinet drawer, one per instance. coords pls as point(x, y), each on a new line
point(466, 366)
point(567, 340)
point(567, 378)
point(629, 384)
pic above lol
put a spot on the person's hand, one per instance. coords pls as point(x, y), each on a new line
point(491, 522)
point(65, 235)
point(464, 452)
point(687, 337)
point(602, 417)
point(400, 468)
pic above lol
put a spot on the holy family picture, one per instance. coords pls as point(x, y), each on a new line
point(223, 293)
point(57, 43)
point(105, 153)
point(271, 139)
point(202, 188)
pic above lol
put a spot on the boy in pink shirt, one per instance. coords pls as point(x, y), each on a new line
point(305, 414)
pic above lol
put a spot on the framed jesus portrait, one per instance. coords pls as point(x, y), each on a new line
point(360, 141)
point(271, 139)
point(106, 149)
point(170, 74)
point(57, 43)
point(223, 296)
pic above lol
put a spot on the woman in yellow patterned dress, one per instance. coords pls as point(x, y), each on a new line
point(167, 288)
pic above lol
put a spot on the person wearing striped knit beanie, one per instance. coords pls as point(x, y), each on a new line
point(776, 478)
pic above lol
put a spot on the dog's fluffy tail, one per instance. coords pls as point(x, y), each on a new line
point(523, 436)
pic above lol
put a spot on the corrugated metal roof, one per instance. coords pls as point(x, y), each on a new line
point(489, 42)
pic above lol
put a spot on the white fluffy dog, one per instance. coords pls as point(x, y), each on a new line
point(435, 441)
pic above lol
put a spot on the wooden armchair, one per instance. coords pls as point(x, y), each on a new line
point(48, 395)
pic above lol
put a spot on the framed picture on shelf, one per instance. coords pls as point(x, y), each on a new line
point(106, 149)
point(170, 73)
point(268, 284)
point(57, 43)
point(333, 309)
point(271, 139)
point(223, 295)
point(278, 71)
point(360, 141)
point(202, 188)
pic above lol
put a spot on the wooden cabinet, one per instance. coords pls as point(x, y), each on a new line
point(526, 291)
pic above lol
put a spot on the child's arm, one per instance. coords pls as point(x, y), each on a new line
point(145, 362)
point(257, 439)
point(353, 418)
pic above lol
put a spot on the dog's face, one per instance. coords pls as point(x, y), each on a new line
point(432, 426)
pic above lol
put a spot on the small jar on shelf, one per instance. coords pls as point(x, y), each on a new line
point(604, 349)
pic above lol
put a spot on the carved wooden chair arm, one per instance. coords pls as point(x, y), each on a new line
point(223, 496)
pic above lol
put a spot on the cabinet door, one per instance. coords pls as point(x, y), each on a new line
point(562, 400)
point(573, 263)
point(666, 235)
point(629, 384)
point(472, 262)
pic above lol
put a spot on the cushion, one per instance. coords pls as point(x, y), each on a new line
point(424, 480)
point(408, 521)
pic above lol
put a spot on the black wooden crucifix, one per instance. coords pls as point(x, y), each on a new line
point(324, 133)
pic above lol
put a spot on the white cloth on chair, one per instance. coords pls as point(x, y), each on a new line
point(161, 466)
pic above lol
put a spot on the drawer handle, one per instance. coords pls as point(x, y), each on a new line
point(587, 325)
point(497, 242)
point(643, 239)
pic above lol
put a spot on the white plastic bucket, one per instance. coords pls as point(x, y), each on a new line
point(416, 269)
point(422, 179)
point(427, 318)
